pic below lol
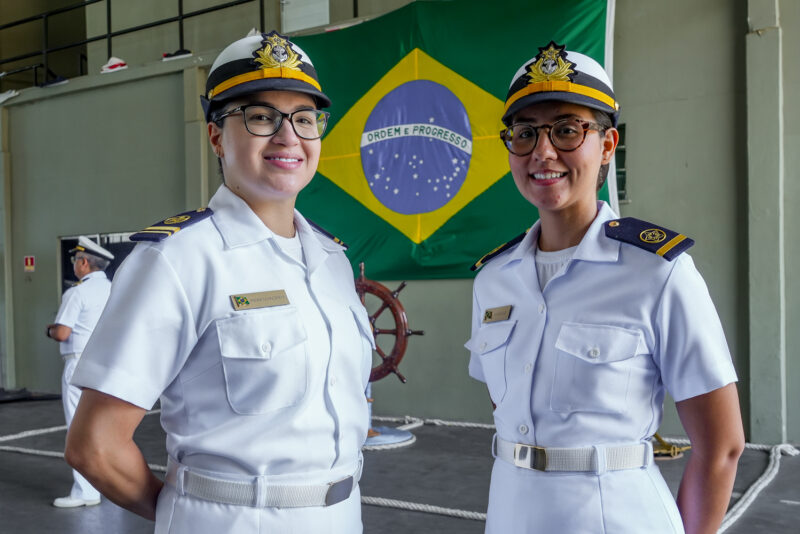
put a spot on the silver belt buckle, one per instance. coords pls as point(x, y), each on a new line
point(530, 457)
point(339, 491)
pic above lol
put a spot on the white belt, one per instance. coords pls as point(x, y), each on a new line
point(255, 491)
point(595, 459)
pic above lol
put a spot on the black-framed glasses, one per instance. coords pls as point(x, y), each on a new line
point(566, 134)
point(263, 120)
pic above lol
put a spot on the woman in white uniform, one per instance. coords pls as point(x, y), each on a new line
point(242, 318)
point(582, 324)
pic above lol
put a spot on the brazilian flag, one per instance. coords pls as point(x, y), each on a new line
point(413, 176)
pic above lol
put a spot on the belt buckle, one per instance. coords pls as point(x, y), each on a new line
point(339, 491)
point(530, 457)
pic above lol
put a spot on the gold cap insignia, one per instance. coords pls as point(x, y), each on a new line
point(551, 65)
point(652, 235)
point(276, 52)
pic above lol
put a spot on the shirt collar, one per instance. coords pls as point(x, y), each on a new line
point(239, 226)
point(316, 247)
point(94, 274)
point(236, 222)
point(594, 246)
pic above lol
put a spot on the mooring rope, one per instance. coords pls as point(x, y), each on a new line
point(410, 423)
point(426, 508)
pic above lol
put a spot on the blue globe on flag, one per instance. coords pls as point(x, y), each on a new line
point(416, 147)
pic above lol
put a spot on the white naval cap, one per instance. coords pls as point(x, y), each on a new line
point(88, 246)
point(556, 73)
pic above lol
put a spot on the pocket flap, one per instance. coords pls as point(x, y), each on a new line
point(260, 335)
point(600, 343)
point(490, 337)
point(364, 326)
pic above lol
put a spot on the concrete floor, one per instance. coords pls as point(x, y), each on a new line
point(442, 457)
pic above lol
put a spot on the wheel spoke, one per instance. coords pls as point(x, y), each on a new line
point(380, 352)
point(380, 310)
point(391, 331)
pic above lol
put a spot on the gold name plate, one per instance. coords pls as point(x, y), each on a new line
point(264, 299)
point(497, 314)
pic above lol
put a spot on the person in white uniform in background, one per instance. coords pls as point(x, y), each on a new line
point(243, 319)
point(583, 323)
point(81, 306)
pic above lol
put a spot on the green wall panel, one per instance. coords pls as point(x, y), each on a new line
point(107, 159)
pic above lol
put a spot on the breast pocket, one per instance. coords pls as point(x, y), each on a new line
point(264, 359)
point(593, 368)
point(490, 342)
point(366, 340)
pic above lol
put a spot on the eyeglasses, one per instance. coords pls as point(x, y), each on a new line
point(263, 120)
point(565, 134)
point(75, 259)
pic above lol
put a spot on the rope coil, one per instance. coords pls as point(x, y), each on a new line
point(409, 423)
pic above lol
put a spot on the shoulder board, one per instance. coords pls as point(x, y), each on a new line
point(327, 234)
point(171, 225)
point(497, 251)
point(656, 239)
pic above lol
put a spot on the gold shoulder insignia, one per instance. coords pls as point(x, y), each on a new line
point(497, 251)
point(648, 236)
point(171, 225)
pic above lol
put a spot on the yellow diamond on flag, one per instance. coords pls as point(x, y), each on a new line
point(417, 147)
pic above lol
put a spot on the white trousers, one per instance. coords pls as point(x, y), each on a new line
point(70, 395)
point(629, 501)
point(184, 514)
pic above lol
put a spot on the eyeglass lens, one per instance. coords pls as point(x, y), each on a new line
point(264, 121)
point(566, 134)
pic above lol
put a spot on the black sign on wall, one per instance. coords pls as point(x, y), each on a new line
point(116, 243)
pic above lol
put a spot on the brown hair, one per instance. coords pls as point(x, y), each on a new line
point(603, 119)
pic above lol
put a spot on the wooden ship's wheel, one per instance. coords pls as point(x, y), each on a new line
point(400, 330)
point(384, 437)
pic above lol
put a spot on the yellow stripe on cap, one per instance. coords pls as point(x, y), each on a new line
point(669, 245)
point(262, 74)
point(564, 87)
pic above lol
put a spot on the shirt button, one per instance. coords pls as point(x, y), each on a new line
point(594, 352)
point(333, 381)
point(541, 308)
point(265, 347)
point(528, 368)
point(523, 429)
point(483, 346)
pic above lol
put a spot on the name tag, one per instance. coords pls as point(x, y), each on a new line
point(264, 299)
point(497, 314)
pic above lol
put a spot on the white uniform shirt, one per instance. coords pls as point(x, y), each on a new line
point(81, 306)
point(272, 391)
point(587, 362)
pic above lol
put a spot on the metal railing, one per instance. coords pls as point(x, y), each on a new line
point(46, 49)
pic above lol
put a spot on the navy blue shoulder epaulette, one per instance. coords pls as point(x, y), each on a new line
point(497, 251)
point(651, 237)
point(327, 234)
point(171, 225)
